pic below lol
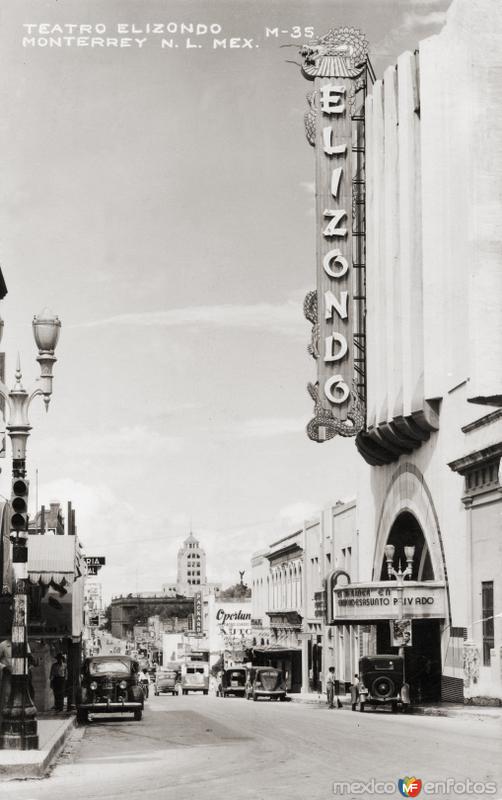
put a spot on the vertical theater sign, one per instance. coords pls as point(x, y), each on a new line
point(338, 65)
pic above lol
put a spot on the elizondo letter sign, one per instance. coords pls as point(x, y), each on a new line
point(337, 65)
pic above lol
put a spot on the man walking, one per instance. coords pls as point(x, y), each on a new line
point(330, 687)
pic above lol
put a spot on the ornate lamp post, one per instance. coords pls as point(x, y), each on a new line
point(18, 729)
point(400, 576)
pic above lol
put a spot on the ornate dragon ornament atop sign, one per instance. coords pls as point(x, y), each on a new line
point(334, 125)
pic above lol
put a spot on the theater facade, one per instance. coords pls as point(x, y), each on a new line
point(407, 344)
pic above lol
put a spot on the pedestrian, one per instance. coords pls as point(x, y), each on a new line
point(144, 681)
point(330, 687)
point(5, 671)
point(58, 677)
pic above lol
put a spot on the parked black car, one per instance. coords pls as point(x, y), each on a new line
point(232, 681)
point(109, 684)
point(265, 682)
point(381, 682)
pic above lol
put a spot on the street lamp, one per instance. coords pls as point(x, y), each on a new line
point(400, 576)
point(18, 728)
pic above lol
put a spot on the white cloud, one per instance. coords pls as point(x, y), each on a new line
point(420, 20)
point(309, 186)
point(285, 318)
point(266, 426)
point(415, 19)
point(123, 441)
point(297, 513)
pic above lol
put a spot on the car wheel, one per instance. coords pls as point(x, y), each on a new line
point(205, 691)
point(383, 688)
point(394, 707)
point(82, 716)
point(184, 691)
point(138, 714)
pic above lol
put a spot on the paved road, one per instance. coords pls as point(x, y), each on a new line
point(207, 747)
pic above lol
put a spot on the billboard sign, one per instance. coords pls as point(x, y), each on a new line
point(337, 63)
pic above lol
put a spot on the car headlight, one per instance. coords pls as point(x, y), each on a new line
point(123, 684)
point(93, 685)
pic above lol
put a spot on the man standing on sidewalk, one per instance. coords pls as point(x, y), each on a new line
point(330, 687)
point(58, 678)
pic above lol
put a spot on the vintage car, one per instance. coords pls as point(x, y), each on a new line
point(232, 681)
point(167, 679)
point(109, 684)
point(265, 682)
point(381, 682)
point(195, 677)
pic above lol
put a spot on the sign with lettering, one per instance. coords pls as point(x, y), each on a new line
point(198, 615)
point(337, 63)
point(95, 561)
point(381, 600)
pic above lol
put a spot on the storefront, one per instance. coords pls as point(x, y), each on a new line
point(56, 573)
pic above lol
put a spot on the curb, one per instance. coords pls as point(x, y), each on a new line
point(35, 763)
point(466, 712)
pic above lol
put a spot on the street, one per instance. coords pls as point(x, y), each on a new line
point(208, 747)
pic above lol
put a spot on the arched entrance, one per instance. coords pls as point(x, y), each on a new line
point(423, 653)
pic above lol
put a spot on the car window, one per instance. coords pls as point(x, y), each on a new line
point(111, 665)
point(383, 665)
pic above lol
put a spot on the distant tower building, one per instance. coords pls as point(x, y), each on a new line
point(191, 567)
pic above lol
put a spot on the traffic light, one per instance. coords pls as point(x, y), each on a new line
point(19, 505)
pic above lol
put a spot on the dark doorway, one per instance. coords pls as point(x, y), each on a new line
point(422, 659)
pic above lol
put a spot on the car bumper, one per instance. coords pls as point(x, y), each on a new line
point(97, 708)
point(379, 700)
point(263, 693)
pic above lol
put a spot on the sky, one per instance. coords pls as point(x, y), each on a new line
point(160, 200)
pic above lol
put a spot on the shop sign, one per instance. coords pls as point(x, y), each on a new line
point(198, 616)
point(95, 561)
point(337, 64)
point(94, 564)
point(380, 601)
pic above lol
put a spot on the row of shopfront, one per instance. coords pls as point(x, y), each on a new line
point(318, 601)
point(56, 578)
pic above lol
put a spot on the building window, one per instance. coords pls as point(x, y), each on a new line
point(487, 614)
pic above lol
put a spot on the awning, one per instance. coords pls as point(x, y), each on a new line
point(289, 619)
point(52, 560)
point(276, 648)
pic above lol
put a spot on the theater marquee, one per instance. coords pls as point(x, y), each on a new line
point(337, 63)
point(380, 601)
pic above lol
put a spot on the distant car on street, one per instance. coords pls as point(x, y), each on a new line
point(232, 681)
point(265, 682)
point(167, 679)
point(195, 677)
point(381, 682)
point(109, 684)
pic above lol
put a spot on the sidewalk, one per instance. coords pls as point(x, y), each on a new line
point(52, 734)
point(429, 709)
